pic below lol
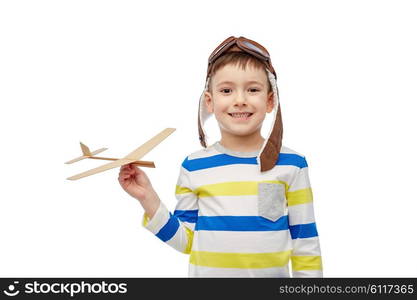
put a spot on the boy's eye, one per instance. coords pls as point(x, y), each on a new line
point(254, 90)
point(225, 91)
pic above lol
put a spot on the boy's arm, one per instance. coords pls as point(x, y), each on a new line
point(177, 230)
point(306, 255)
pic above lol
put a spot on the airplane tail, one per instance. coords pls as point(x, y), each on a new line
point(86, 151)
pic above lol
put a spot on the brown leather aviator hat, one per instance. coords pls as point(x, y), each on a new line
point(269, 154)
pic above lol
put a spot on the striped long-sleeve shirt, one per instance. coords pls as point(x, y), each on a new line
point(235, 221)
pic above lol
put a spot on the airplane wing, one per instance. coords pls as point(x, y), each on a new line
point(76, 159)
point(149, 145)
point(113, 164)
point(131, 157)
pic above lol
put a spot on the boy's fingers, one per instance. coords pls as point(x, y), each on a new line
point(123, 168)
point(126, 169)
point(123, 178)
point(126, 174)
point(129, 168)
point(133, 167)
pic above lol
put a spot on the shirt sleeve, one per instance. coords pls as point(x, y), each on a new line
point(306, 255)
point(177, 230)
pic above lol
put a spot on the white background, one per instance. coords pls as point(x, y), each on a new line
point(114, 73)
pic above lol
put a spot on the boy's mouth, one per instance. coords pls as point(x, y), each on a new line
point(241, 115)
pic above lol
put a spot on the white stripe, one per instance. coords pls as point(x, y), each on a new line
point(242, 241)
point(308, 246)
point(183, 178)
point(179, 239)
point(301, 214)
point(285, 149)
point(308, 273)
point(228, 206)
point(200, 271)
point(186, 201)
point(300, 181)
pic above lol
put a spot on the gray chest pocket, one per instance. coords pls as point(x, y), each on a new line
point(271, 200)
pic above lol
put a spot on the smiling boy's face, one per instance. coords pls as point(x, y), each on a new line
point(239, 100)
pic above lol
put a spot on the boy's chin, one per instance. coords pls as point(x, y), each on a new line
point(241, 132)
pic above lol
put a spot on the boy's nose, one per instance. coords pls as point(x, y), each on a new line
point(240, 99)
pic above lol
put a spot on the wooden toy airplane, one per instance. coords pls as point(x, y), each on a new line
point(131, 158)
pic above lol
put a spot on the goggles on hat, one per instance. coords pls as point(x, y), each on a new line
point(245, 45)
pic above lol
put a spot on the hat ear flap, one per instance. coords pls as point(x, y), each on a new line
point(269, 154)
point(203, 115)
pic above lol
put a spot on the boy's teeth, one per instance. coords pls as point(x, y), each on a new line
point(240, 115)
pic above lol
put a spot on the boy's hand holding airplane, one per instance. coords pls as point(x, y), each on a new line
point(137, 184)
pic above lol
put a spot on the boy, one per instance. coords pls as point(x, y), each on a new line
point(244, 203)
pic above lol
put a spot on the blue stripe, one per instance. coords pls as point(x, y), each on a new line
point(241, 223)
point(292, 160)
point(303, 231)
point(225, 159)
point(169, 229)
point(189, 216)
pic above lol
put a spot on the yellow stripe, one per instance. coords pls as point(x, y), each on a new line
point(303, 263)
point(240, 260)
point(190, 237)
point(238, 188)
point(300, 196)
point(145, 220)
point(182, 190)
